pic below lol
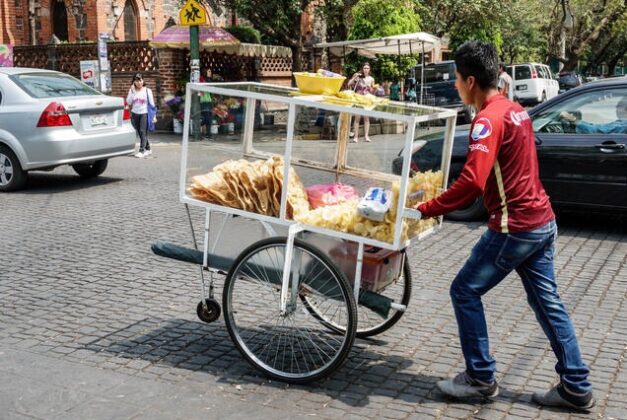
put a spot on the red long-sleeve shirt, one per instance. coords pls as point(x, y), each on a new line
point(503, 166)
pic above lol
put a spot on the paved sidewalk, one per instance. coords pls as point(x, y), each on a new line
point(93, 325)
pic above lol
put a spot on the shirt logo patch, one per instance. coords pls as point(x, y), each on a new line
point(481, 129)
point(480, 147)
point(519, 117)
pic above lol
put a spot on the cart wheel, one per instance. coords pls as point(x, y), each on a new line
point(369, 322)
point(292, 347)
point(208, 312)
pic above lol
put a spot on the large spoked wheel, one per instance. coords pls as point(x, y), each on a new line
point(293, 347)
point(369, 322)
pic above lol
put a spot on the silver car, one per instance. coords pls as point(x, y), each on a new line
point(49, 119)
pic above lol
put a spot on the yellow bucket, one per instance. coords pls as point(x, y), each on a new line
point(319, 85)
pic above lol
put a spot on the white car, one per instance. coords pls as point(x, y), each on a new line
point(533, 83)
point(49, 119)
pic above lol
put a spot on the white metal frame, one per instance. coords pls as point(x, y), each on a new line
point(294, 227)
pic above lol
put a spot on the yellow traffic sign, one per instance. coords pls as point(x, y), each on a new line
point(192, 14)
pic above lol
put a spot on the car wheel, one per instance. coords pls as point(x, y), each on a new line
point(12, 176)
point(90, 170)
point(473, 212)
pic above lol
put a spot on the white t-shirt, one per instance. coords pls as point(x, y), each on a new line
point(138, 100)
point(505, 78)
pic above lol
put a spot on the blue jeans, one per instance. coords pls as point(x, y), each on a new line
point(492, 259)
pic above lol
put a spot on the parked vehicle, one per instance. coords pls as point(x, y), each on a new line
point(49, 119)
point(578, 170)
point(439, 88)
point(568, 80)
point(533, 83)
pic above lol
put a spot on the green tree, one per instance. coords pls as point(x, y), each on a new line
point(464, 20)
point(379, 18)
point(591, 20)
point(522, 28)
point(278, 21)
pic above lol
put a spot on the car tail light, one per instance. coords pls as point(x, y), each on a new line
point(127, 112)
point(54, 115)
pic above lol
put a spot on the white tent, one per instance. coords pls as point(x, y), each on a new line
point(405, 44)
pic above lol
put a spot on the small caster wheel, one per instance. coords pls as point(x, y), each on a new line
point(210, 312)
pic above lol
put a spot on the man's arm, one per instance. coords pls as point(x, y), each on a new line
point(482, 153)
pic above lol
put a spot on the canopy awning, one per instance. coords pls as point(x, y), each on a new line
point(251, 50)
point(217, 40)
point(404, 44)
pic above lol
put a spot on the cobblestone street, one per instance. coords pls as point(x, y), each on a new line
point(95, 326)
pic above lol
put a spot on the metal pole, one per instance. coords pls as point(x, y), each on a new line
point(194, 66)
point(422, 73)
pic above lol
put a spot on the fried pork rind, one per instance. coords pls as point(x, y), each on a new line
point(251, 186)
point(344, 217)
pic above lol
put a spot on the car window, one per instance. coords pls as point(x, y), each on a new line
point(50, 85)
point(593, 112)
point(542, 72)
point(522, 72)
point(437, 73)
point(508, 70)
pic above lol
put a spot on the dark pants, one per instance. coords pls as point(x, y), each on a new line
point(140, 124)
point(206, 111)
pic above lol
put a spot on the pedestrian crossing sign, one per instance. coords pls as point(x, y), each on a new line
point(192, 14)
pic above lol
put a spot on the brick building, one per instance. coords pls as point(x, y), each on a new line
point(34, 22)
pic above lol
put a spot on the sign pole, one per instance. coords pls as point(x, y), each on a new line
point(193, 14)
point(194, 77)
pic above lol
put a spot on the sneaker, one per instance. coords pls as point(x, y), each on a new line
point(148, 153)
point(559, 396)
point(463, 385)
point(139, 154)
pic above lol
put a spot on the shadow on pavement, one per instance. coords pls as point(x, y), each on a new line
point(207, 348)
point(46, 183)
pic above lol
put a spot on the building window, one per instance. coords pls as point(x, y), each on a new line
point(59, 20)
point(130, 21)
point(19, 24)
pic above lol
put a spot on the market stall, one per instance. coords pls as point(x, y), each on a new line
point(331, 263)
point(404, 44)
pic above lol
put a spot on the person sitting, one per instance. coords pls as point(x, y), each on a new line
point(618, 126)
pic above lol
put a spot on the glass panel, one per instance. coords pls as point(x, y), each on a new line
point(522, 72)
point(60, 20)
point(594, 112)
point(437, 73)
point(130, 22)
point(392, 108)
point(50, 85)
point(328, 178)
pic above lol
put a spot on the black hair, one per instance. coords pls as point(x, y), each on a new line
point(478, 59)
point(501, 66)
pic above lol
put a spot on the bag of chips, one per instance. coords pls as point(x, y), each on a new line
point(329, 194)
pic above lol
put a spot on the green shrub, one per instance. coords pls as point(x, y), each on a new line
point(245, 34)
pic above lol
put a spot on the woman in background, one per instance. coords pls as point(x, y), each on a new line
point(362, 82)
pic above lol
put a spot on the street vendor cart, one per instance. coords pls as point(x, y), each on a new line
point(294, 300)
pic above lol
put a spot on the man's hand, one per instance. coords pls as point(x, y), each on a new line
point(567, 116)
